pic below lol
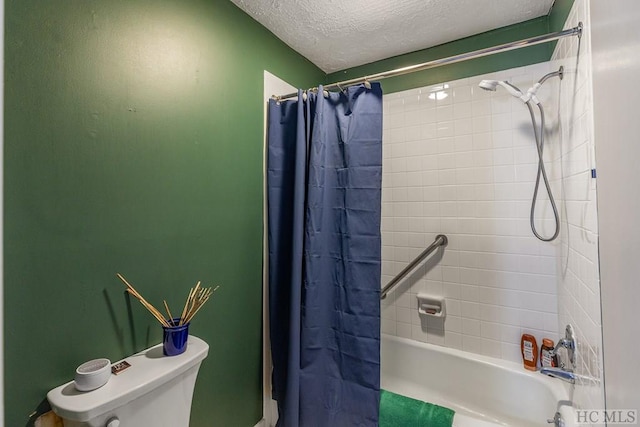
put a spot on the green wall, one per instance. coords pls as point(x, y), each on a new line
point(559, 14)
point(133, 144)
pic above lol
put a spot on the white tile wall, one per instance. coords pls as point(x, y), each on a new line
point(462, 161)
point(578, 281)
point(464, 165)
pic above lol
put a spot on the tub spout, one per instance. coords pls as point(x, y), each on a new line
point(567, 376)
point(557, 420)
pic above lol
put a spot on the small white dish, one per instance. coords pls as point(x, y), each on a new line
point(92, 374)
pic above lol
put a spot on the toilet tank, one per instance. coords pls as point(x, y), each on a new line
point(155, 391)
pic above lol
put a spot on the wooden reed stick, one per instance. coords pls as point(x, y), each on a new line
point(154, 314)
point(190, 303)
point(186, 305)
point(143, 301)
point(195, 305)
point(168, 312)
point(197, 297)
point(190, 316)
point(204, 297)
point(152, 310)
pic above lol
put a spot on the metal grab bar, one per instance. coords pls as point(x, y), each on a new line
point(441, 240)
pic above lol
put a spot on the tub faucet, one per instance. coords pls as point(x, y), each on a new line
point(568, 342)
point(564, 373)
point(560, 373)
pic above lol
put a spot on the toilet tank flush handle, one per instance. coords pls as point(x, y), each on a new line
point(113, 422)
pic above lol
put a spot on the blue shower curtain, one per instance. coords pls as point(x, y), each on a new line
point(324, 170)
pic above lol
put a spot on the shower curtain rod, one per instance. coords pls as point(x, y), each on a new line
point(545, 38)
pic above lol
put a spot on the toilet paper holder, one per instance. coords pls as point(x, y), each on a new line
point(430, 305)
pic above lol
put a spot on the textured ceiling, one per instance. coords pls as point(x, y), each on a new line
point(339, 34)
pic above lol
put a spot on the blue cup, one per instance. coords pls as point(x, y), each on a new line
point(174, 340)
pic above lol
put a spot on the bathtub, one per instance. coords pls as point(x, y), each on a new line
point(484, 392)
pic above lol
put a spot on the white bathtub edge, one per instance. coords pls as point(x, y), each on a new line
point(476, 380)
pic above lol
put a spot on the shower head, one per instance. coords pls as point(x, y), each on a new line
point(492, 85)
point(530, 96)
point(489, 85)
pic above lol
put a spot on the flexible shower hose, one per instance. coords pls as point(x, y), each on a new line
point(539, 137)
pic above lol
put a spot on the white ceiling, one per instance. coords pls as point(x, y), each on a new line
point(339, 34)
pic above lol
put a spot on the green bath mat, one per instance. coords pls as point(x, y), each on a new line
point(401, 411)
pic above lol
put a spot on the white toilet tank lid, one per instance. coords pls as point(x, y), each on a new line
point(149, 369)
